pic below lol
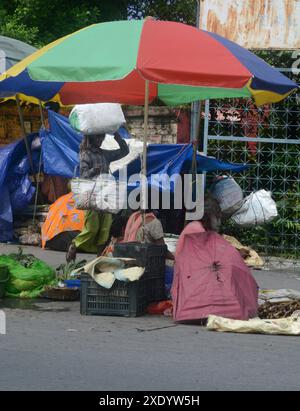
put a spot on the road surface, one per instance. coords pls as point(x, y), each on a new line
point(49, 346)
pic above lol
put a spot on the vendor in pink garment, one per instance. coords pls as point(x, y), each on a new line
point(153, 232)
point(210, 277)
point(211, 221)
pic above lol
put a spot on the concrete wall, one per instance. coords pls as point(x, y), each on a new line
point(166, 125)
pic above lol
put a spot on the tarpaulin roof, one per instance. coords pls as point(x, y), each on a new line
point(61, 147)
point(13, 51)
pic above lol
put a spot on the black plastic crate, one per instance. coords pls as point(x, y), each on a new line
point(123, 299)
point(153, 258)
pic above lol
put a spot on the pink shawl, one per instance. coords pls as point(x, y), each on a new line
point(134, 224)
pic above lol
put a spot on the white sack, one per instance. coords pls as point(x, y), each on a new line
point(103, 194)
point(258, 208)
point(99, 118)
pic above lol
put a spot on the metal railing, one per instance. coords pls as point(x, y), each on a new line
point(268, 139)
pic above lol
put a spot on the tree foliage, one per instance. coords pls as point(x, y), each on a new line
point(174, 10)
point(38, 22)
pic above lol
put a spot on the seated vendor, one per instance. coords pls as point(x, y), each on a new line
point(153, 232)
point(117, 231)
point(211, 221)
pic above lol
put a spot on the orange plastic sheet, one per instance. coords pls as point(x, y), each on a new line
point(62, 216)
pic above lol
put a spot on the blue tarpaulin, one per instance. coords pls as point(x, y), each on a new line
point(61, 147)
point(60, 155)
point(15, 186)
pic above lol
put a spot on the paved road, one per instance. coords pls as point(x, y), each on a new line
point(49, 346)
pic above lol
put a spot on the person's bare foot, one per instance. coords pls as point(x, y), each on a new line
point(71, 254)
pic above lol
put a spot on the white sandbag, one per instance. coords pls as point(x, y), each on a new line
point(258, 208)
point(99, 118)
point(284, 326)
point(103, 194)
point(228, 194)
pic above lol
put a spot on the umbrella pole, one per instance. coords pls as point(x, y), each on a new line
point(196, 140)
point(40, 166)
point(25, 135)
point(42, 114)
point(144, 160)
point(196, 114)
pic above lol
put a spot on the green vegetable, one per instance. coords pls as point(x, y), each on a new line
point(64, 271)
point(28, 275)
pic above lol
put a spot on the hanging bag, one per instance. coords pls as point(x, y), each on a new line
point(104, 194)
point(258, 208)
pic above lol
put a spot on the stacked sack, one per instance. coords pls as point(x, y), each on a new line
point(103, 193)
point(256, 209)
point(102, 118)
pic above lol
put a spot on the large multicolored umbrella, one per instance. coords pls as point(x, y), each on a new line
point(111, 62)
point(138, 61)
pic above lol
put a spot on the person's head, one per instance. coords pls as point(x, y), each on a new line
point(96, 140)
point(212, 214)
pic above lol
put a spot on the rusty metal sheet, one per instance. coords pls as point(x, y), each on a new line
point(255, 24)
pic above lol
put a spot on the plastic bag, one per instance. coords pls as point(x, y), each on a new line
point(21, 193)
point(258, 208)
point(97, 118)
point(161, 308)
point(228, 194)
point(27, 282)
point(169, 275)
point(284, 326)
point(281, 295)
point(103, 194)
